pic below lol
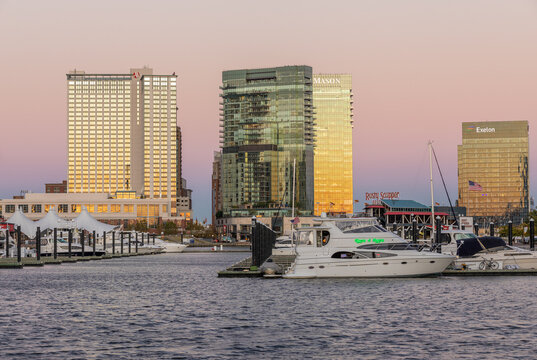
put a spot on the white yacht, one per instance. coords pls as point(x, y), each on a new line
point(170, 247)
point(359, 247)
point(486, 253)
point(62, 247)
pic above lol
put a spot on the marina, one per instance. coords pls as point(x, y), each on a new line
point(174, 306)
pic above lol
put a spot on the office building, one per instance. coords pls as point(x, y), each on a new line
point(104, 208)
point(122, 135)
point(266, 125)
point(493, 169)
point(216, 187)
point(332, 101)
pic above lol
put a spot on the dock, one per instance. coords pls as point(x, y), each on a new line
point(503, 272)
point(243, 268)
point(12, 263)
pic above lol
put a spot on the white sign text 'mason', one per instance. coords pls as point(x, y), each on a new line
point(326, 81)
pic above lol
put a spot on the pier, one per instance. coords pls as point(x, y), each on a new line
point(13, 263)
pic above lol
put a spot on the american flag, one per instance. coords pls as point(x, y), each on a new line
point(473, 186)
point(295, 221)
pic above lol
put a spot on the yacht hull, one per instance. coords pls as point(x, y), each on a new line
point(498, 261)
point(372, 268)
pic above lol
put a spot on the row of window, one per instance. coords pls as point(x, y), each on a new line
point(92, 208)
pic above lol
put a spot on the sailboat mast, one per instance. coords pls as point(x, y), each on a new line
point(294, 184)
point(432, 189)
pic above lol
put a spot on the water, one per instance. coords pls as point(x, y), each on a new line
point(174, 306)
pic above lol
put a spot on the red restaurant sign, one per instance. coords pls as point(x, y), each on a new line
point(382, 195)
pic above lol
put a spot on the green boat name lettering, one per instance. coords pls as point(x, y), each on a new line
point(362, 241)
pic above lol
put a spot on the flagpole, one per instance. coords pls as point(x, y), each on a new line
point(432, 190)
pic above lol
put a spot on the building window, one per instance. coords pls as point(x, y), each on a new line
point(153, 210)
point(115, 208)
point(75, 208)
point(36, 208)
point(102, 208)
point(23, 208)
point(90, 208)
point(63, 208)
point(128, 208)
point(10, 209)
point(48, 207)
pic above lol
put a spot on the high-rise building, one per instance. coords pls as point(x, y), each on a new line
point(332, 100)
point(267, 124)
point(122, 135)
point(216, 185)
point(184, 195)
point(493, 169)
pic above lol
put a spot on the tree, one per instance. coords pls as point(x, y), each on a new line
point(170, 228)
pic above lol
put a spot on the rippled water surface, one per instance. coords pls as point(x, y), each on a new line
point(175, 306)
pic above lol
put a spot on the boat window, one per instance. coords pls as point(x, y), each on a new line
point(323, 237)
point(373, 254)
point(463, 236)
point(366, 229)
point(343, 255)
point(355, 224)
point(393, 246)
point(305, 237)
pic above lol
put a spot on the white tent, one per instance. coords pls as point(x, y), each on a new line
point(87, 222)
point(28, 227)
point(52, 220)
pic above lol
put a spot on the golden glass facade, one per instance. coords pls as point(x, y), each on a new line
point(160, 127)
point(98, 133)
point(122, 134)
point(332, 100)
point(494, 157)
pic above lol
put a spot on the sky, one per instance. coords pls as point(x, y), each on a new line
point(420, 68)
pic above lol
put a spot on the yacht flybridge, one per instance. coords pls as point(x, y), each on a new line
point(359, 247)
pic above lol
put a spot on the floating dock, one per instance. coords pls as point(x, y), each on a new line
point(11, 263)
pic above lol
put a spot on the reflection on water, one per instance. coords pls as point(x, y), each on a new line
point(174, 306)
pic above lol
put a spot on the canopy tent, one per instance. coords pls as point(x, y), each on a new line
point(52, 220)
point(28, 227)
point(87, 222)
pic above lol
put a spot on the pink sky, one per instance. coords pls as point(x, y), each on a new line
point(419, 68)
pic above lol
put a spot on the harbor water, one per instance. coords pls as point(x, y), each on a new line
point(174, 306)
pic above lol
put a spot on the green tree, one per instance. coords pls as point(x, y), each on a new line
point(170, 228)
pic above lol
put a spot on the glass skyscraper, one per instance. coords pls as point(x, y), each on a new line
point(493, 169)
point(266, 124)
point(332, 99)
point(122, 135)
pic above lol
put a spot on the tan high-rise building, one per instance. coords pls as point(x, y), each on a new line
point(332, 100)
point(493, 169)
point(122, 135)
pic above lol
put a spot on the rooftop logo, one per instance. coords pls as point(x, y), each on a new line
point(478, 129)
point(484, 130)
point(326, 81)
